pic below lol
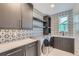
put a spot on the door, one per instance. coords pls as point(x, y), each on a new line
point(10, 15)
point(27, 16)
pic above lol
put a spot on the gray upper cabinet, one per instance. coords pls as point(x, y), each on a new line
point(27, 16)
point(10, 15)
point(15, 15)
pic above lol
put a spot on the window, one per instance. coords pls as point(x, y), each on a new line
point(63, 24)
point(76, 23)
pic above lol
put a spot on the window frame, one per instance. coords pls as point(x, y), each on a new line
point(63, 22)
point(76, 23)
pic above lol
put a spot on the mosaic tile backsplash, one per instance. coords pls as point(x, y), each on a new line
point(7, 35)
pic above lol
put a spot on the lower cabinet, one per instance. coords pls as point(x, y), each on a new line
point(26, 50)
point(58, 43)
point(20, 51)
point(65, 44)
point(31, 50)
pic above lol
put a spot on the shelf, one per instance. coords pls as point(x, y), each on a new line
point(34, 18)
point(47, 25)
point(35, 26)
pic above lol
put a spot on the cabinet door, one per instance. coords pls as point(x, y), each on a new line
point(68, 45)
point(58, 43)
point(65, 44)
point(27, 16)
point(10, 15)
point(20, 51)
point(55, 42)
point(31, 50)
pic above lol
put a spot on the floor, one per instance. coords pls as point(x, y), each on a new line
point(56, 52)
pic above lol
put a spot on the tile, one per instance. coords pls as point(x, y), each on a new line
point(57, 52)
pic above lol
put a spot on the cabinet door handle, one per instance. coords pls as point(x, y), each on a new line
point(19, 24)
point(14, 52)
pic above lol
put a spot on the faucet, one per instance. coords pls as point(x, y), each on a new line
point(63, 33)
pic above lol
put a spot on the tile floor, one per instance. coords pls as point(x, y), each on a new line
point(57, 52)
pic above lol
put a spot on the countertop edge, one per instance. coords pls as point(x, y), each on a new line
point(64, 36)
point(5, 46)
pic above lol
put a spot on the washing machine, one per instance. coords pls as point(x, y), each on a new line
point(41, 39)
point(44, 49)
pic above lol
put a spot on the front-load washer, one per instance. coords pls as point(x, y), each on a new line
point(43, 49)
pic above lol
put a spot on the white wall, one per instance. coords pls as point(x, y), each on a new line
point(76, 33)
point(38, 14)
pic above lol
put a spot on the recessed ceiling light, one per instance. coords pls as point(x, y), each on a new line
point(52, 5)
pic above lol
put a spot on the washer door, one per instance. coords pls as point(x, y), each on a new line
point(44, 49)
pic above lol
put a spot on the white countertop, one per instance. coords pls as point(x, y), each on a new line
point(63, 36)
point(11, 45)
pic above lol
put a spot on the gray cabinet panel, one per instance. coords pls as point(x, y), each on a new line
point(60, 43)
point(27, 16)
point(66, 44)
point(55, 42)
point(31, 50)
point(9, 15)
point(16, 15)
point(20, 51)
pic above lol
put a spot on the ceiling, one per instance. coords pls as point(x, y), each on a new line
point(47, 10)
